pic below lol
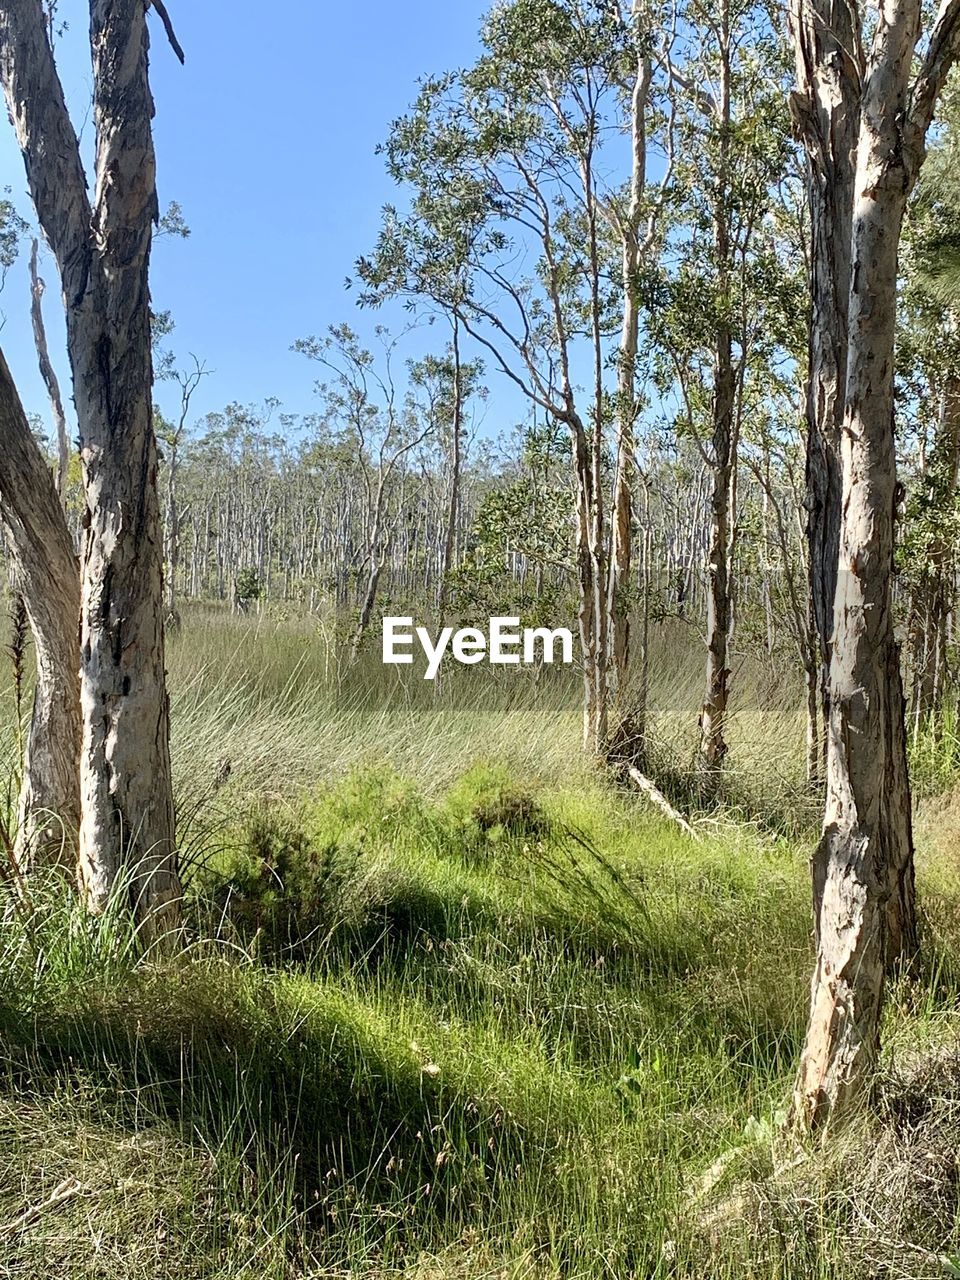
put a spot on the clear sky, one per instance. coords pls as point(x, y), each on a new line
point(267, 139)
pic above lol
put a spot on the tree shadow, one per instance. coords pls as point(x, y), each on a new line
point(322, 1099)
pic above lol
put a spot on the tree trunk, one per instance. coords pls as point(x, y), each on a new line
point(621, 518)
point(171, 537)
point(47, 575)
point(367, 605)
point(594, 725)
point(725, 431)
point(713, 745)
point(453, 507)
point(127, 818)
point(48, 373)
point(865, 864)
point(825, 108)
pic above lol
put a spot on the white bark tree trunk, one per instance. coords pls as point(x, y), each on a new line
point(103, 251)
point(621, 516)
point(865, 862)
point(48, 576)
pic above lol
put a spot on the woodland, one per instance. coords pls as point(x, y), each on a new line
point(642, 965)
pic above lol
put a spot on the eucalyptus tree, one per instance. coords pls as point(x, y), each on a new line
point(45, 572)
point(518, 557)
point(508, 169)
point(383, 425)
point(864, 102)
point(102, 248)
point(171, 436)
point(720, 319)
point(444, 388)
point(636, 217)
point(929, 401)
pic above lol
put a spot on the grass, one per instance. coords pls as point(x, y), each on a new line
point(451, 1005)
point(506, 1048)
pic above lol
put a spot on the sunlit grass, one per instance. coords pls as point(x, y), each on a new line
point(451, 1003)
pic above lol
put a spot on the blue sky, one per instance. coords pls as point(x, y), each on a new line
point(267, 139)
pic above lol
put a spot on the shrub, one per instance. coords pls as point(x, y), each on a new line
point(488, 807)
point(283, 887)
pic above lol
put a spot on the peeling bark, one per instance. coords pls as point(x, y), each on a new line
point(47, 574)
point(103, 251)
point(826, 113)
point(864, 865)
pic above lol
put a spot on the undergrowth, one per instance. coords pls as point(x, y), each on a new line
point(451, 1004)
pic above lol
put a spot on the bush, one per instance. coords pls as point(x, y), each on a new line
point(488, 808)
point(284, 888)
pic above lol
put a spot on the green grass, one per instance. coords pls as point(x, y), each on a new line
point(451, 1005)
point(508, 1055)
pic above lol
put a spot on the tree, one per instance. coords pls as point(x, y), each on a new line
point(171, 436)
point(508, 165)
point(929, 403)
point(383, 428)
point(102, 250)
point(720, 318)
point(863, 866)
point(45, 572)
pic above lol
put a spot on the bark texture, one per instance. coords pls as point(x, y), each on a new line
point(713, 713)
point(826, 112)
point(47, 371)
point(47, 574)
point(865, 860)
point(713, 744)
point(103, 251)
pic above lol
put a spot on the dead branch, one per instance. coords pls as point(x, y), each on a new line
point(164, 17)
point(657, 798)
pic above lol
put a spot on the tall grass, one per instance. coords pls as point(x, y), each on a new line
point(269, 695)
point(509, 1055)
point(450, 1004)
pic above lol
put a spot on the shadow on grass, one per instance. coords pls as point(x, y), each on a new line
point(319, 1096)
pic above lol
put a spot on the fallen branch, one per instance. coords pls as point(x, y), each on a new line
point(65, 1191)
point(656, 796)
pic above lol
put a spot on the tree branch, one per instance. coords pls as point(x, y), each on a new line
point(164, 17)
point(940, 56)
point(47, 139)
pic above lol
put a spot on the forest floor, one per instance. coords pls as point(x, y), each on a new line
point(454, 1005)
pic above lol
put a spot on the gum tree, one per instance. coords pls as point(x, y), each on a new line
point(861, 83)
point(102, 248)
point(508, 171)
point(719, 324)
